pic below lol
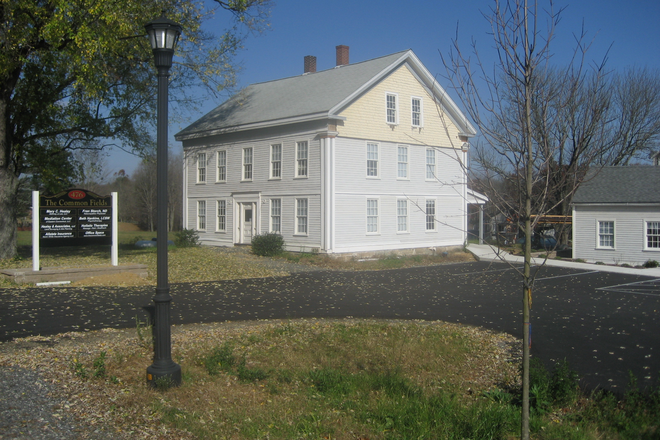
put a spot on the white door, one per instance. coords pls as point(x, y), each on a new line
point(247, 223)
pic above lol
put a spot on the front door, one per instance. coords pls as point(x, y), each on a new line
point(247, 223)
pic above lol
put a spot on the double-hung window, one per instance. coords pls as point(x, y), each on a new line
point(222, 215)
point(301, 216)
point(402, 215)
point(301, 159)
point(606, 234)
point(276, 215)
point(402, 162)
point(372, 159)
point(653, 235)
point(372, 216)
point(201, 215)
point(247, 163)
point(201, 167)
point(392, 108)
point(276, 161)
point(430, 215)
point(430, 164)
point(222, 166)
point(416, 111)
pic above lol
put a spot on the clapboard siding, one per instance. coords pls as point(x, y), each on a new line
point(351, 229)
point(353, 188)
point(287, 188)
point(629, 233)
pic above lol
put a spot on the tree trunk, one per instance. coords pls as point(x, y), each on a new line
point(8, 189)
point(8, 224)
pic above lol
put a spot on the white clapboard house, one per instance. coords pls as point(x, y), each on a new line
point(616, 216)
point(359, 158)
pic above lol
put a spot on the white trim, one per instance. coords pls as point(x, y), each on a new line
point(433, 178)
point(243, 164)
point(407, 230)
point(270, 215)
point(421, 112)
point(296, 159)
point(185, 203)
point(217, 166)
point(217, 215)
point(377, 200)
point(435, 214)
point(272, 161)
point(377, 145)
point(197, 223)
point(200, 168)
point(598, 246)
point(407, 162)
point(296, 217)
point(396, 108)
point(645, 223)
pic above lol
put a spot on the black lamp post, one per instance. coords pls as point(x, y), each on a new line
point(163, 35)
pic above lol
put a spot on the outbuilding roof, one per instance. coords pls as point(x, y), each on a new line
point(314, 96)
point(622, 184)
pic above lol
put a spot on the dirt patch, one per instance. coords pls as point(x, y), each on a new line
point(128, 227)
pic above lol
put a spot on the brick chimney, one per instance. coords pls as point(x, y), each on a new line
point(342, 55)
point(310, 64)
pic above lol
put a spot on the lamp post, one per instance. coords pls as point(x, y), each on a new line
point(163, 35)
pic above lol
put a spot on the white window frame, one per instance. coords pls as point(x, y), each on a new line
point(420, 113)
point(373, 216)
point(248, 164)
point(599, 235)
point(221, 216)
point(392, 114)
point(373, 163)
point(201, 167)
point(647, 235)
point(275, 213)
point(302, 160)
point(402, 210)
point(431, 165)
point(402, 165)
point(276, 161)
point(201, 215)
point(221, 166)
point(430, 219)
point(302, 216)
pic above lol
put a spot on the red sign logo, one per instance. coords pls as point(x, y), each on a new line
point(77, 194)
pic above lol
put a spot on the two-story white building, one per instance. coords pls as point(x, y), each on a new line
point(363, 157)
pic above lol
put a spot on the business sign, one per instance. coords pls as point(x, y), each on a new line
point(75, 217)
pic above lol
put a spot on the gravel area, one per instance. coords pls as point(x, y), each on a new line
point(28, 409)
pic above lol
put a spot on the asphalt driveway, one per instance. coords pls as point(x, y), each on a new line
point(604, 324)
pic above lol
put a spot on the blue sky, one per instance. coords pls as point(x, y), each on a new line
point(627, 32)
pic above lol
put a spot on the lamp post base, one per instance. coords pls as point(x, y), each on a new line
point(164, 376)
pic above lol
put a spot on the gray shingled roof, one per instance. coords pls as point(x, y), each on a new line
point(302, 97)
point(631, 184)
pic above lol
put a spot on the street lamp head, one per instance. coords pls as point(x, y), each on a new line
point(163, 36)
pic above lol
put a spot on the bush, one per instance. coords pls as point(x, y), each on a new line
point(651, 263)
point(267, 245)
point(187, 238)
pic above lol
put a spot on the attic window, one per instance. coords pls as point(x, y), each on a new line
point(392, 109)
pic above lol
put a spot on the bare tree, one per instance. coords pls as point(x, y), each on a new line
point(175, 192)
point(144, 193)
point(519, 107)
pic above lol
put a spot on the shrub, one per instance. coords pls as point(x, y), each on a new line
point(267, 245)
point(187, 238)
point(651, 263)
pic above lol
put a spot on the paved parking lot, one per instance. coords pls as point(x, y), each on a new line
point(604, 324)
